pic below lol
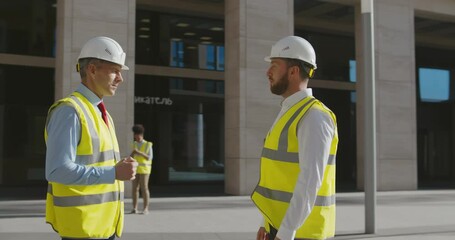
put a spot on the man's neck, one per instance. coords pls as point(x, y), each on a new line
point(91, 88)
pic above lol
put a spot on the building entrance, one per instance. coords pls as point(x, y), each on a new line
point(435, 118)
point(184, 118)
point(435, 146)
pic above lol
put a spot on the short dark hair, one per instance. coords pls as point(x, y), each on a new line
point(138, 129)
point(304, 67)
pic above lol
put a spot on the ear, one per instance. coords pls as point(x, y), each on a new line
point(91, 69)
point(295, 70)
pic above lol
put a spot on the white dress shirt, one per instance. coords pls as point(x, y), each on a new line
point(315, 132)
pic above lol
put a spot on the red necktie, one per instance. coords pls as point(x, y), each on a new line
point(103, 112)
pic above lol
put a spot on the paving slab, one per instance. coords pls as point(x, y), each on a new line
point(409, 215)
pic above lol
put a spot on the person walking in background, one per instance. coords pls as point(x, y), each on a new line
point(143, 153)
point(296, 189)
point(83, 165)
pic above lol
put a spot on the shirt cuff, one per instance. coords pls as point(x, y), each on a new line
point(285, 234)
point(108, 176)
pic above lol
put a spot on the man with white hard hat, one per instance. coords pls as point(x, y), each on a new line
point(296, 189)
point(83, 165)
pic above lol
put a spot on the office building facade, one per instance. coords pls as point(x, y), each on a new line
point(197, 83)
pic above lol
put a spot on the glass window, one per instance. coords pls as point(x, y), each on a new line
point(339, 102)
point(26, 94)
point(330, 28)
point(206, 56)
point(435, 114)
point(28, 27)
point(176, 53)
point(179, 41)
point(184, 118)
point(434, 85)
point(352, 71)
point(334, 62)
point(220, 58)
point(353, 78)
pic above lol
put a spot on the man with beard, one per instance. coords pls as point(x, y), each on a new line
point(296, 189)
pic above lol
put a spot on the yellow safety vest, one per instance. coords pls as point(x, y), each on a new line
point(280, 170)
point(88, 211)
point(144, 165)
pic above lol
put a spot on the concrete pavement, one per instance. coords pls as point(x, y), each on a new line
point(412, 215)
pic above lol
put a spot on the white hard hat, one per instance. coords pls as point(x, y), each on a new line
point(295, 48)
point(104, 48)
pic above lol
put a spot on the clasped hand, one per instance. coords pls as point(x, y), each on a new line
point(126, 169)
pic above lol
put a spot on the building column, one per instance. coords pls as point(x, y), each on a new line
point(395, 96)
point(252, 27)
point(77, 22)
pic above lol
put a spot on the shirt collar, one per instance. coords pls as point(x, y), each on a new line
point(91, 97)
point(296, 97)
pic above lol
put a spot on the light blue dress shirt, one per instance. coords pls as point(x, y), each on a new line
point(63, 136)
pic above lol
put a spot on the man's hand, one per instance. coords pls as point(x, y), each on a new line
point(126, 169)
point(262, 234)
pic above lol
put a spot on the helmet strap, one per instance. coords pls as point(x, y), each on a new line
point(311, 72)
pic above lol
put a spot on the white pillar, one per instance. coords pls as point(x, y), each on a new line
point(252, 27)
point(81, 20)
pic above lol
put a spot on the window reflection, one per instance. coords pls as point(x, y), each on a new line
point(28, 27)
point(434, 84)
point(179, 41)
point(333, 60)
point(176, 53)
point(353, 78)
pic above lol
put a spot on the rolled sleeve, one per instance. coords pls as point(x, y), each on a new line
point(286, 234)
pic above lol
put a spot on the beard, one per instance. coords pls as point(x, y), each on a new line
point(281, 86)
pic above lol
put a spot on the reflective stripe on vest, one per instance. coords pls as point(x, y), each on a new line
point(88, 211)
point(96, 156)
point(73, 201)
point(286, 196)
point(278, 155)
point(102, 157)
point(280, 170)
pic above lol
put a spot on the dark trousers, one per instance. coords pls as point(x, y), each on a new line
point(111, 238)
point(272, 233)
